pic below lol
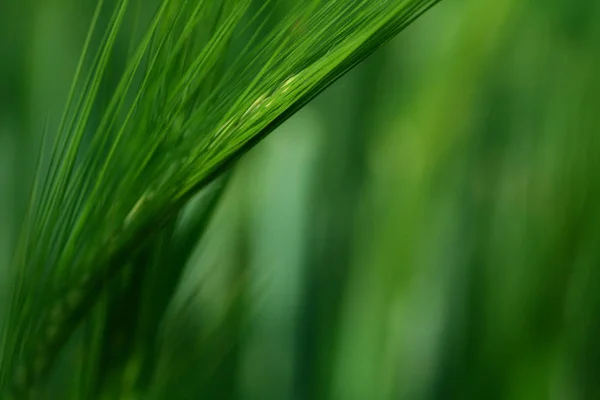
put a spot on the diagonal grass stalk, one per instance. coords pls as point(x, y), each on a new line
point(187, 105)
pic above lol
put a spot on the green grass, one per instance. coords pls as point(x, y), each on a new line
point(199, 87)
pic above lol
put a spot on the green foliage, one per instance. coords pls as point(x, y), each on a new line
point(201, 85)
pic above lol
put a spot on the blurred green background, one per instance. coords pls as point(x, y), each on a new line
point(427, 228)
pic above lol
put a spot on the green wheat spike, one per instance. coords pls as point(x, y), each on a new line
point(165, 134)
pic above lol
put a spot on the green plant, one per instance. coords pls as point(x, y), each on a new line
point(203, 84)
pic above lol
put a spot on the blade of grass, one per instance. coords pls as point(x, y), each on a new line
point(142, 166)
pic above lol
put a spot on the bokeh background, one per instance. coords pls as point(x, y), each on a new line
point(427, 228)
